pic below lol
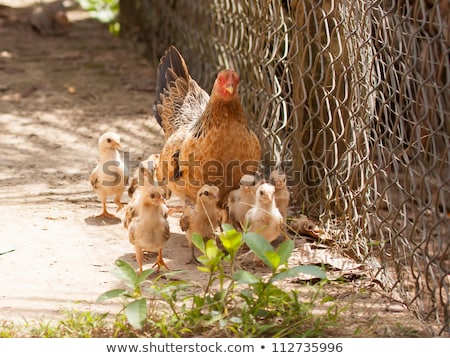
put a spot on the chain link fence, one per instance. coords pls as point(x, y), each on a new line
point(352, 99)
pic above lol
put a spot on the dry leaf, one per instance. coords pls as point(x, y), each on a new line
point(303, 225)
point(309, 256)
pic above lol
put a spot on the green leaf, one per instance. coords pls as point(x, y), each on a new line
point(110, 294)
point(245, 277)
point(136, 313)
point(274, 259)
point(124, 271)
point(198, 241)
point(231, 240)
point(295, 271)
point(285, 250)
point(328, 298)
point(259, 245)
point(143, 276)
point(313, 271)
point(203, 269)
point(211, 250)
point(228, 228)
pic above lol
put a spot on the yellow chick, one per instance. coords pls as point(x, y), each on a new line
point(282, 195)
point(203, 218)
point(265, 218)
point(242, 200)
point(149, 230)
point(108, 177)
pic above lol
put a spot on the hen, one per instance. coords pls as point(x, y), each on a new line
point(207, 138)
point(203, 218)
point(108, 177)
point(149, 230)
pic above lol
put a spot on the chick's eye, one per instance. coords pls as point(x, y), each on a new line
point(152, 196)
point(108, 140)
point(206, 193)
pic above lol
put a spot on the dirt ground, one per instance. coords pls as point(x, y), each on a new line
point(58, 94)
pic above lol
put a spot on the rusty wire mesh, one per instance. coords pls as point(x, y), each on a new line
point(352, 99)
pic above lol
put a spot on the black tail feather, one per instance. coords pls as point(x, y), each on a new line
point(171, 66)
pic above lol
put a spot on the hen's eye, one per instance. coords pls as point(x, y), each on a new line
point(108, 140)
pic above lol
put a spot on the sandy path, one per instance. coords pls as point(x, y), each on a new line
point(57, 96)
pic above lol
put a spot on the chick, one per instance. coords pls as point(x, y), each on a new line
point(265, 218)
point(242, 200)
point(282, 195)
point(149, 230)
point(203, 218)
point(144, 177)
point(108, 177)
point(145, 174)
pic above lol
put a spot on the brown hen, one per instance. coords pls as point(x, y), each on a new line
point(208, 138)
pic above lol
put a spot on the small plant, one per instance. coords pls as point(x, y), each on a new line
point(134, 300)
point(260, 309)
point(135, 305)
point(105, 11)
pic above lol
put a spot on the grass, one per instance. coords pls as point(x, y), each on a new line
point(319, 319)
point(233, 303)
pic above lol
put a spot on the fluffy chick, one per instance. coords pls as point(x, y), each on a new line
point(242, 200)
point(265, 218)
point(108, 177)
point(144, 177)
point(203, 218)
point(144, 174)
point(150, 231)
point(282, 195)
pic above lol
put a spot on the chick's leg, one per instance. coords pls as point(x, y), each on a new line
point(139, 257)
point(160, 261)
point(117, 202)
point(193, 259)
point(105, 212)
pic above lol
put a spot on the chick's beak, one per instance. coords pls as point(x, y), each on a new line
point(117, 145)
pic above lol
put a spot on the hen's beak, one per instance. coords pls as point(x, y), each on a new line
point(229, 88)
